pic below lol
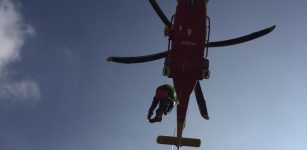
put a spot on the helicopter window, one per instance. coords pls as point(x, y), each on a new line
point(194, 2)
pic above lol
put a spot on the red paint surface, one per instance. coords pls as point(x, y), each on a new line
point(187, 51)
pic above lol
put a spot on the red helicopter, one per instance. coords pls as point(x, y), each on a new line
point(186, 58)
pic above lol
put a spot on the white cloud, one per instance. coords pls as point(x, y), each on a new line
point(20, 90)
point(13, 33)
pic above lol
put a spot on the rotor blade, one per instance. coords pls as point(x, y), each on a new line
point(201, 102)
point(138, 59)
point(160, 13)
point(241, 39)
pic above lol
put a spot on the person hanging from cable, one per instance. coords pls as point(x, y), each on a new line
point(166, 98)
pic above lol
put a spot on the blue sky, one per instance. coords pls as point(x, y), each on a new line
point(57, 92)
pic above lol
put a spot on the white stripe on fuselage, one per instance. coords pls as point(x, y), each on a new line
point(188, 43)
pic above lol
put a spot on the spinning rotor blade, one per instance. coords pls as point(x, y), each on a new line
point(160, 13)
point(201, 102)
point(241, 39)
point(138, 59)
